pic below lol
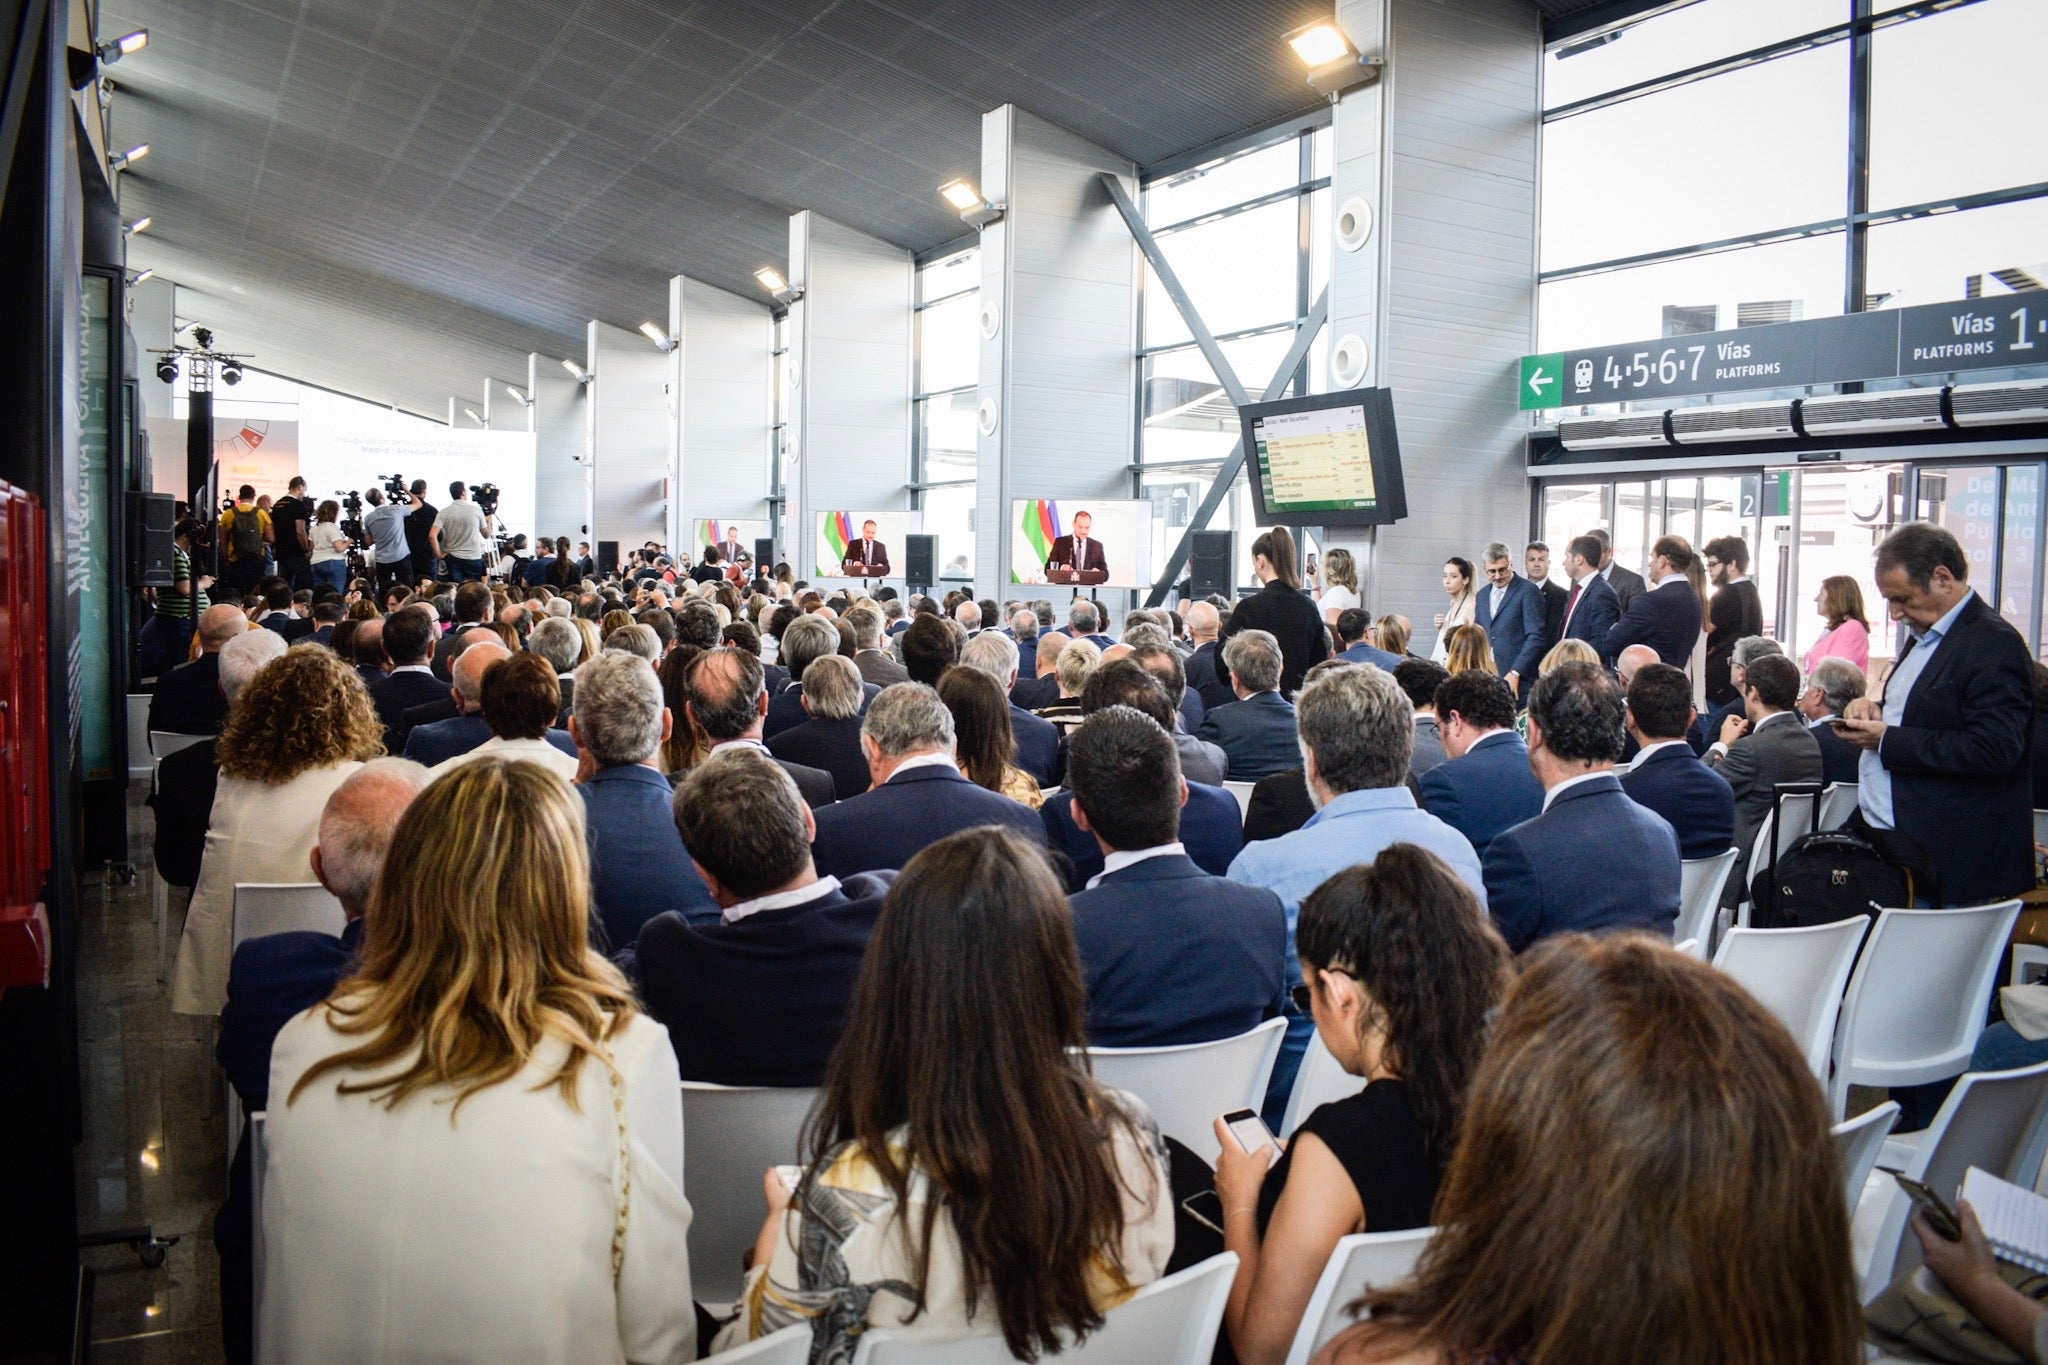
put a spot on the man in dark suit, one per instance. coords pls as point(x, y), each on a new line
point(1592, 860)
point(409, 640)
point(757, 995)
point(1666, 617)
point(1510, 611)
point(1590, 609)
point(441, 740)
point(1037, 693)
point(873, 662)
point(1354, 630)
point(278, 614)
point(1079, 552)
point(326, 616)
point(1200, 761)
point(807, 638)
point(1734, 612)
point(556, 640)
point(1484, 786)
point(1759, 753)
point(187, 780)
point(1205, 678)
point(1419, 679)
point(188, 699)
point(638, 866)
point(472, 609)
point(830, 739)
point(729, 703)
point(918, 796)
point(1037, 740)
point(1536, 559)
point(1944, 774)
point(1667, 777)
point(1171, 953)
point(1256, 732)
point(1833, 686)
point(1628, 585)
point(866, 557)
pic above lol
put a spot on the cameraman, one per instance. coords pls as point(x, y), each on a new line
point(289, 519)
point(460, 533)
point(419, 530)
point(384, 524)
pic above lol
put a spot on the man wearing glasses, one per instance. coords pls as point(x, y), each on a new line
point(1735, 611)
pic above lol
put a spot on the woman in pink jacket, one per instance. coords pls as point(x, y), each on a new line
point(1840, 600)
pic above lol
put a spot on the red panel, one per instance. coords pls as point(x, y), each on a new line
point(24, 740)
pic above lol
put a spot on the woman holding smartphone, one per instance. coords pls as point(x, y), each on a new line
point(1400, 967)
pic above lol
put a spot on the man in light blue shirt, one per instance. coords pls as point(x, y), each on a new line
point(1357, 729)
point(1873, 780)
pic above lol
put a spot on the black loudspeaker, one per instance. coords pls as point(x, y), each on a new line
point(152, 519)
point(607, 557)
point(1209, 558)
point(764, 554)
point(921, 560)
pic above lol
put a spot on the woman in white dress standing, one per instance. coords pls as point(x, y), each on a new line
point(1340, 585)
point(1458, 587)
point(474, 1146)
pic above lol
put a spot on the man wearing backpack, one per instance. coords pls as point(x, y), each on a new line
point(244, 531)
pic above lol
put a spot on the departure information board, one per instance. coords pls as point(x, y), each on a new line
point(1315, 461)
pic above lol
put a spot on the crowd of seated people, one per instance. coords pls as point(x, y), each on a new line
point(662, 830)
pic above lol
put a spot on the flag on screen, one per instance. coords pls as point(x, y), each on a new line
point(838, 534)
point(1041, 526)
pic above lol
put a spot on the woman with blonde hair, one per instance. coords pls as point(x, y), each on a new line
point(293, 735)
point(1390, 633)
point(1643, 1172)
point(1840, 603)
point(1467, 647)
point(473, 1147)
point(1568, 652)
point(593, 643)
point(1340, 585)
point(614, 619)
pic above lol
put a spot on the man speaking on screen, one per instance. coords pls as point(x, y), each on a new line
point(1079, 552)
point(866, 557)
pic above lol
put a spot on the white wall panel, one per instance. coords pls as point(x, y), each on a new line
point(629, 436)
point(723, 374)
point(560, 422)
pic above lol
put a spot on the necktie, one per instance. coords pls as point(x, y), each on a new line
point(1570, 603)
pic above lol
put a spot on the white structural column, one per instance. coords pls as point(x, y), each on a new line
point(849, 368)
point(560, 422)
point(150, 308)
point(1058, 356)
point(722, 372)
point(1443, 291)
point(628, 412)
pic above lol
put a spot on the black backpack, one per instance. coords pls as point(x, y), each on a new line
point(1823, 877)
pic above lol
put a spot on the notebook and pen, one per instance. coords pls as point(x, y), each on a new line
point(2015, 1219)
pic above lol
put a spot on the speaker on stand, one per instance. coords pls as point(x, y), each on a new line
point(152, 526)
point(1209, 559)
point(764, 555)
point(920, 560)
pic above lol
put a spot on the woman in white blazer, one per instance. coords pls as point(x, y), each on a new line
point(294, 734)
point(474, 1147)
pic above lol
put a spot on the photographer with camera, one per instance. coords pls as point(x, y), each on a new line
point(384, 524)
point(419, 526)
point(461, 532)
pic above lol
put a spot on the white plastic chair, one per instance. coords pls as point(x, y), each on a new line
point(1798, 975)
point(1243, 792)
point(1857, 1144)
point(264, 908)
point(138, 735)
point(1357, 1262)
point(1319, 1082)
point(1918, 997)
point(790, 1346)
point(259, 1171)
point(1170, 1322)
point(1994, 1119)
point(1187, 1087)
point(164, 743)
point(731, 1136)
point(1700, 882)
point(1690, 947)
point(1837, 804)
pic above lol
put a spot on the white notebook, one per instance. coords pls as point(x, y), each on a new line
point(2015, 1218)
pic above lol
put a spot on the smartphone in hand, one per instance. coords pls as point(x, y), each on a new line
point(1931, 1206)
point(1249, 1131)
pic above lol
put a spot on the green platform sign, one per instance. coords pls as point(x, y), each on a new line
point(1542, 380)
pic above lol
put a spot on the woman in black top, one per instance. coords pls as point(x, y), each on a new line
point(1401, 967)
point(1282, 609)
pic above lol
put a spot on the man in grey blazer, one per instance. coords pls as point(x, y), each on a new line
point(869, 657)
point(1756, 754)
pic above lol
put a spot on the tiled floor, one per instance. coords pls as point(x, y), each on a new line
point(155, 1129)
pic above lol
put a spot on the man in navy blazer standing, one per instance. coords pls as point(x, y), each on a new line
point(1484, 784)
point(1667, 776)
point(1591, 608)
point(919, 795)
point(1667, 616)
point(1510, 611)
point(1256, 732)
point(1171, 953)
point(1593, 860)
point(1944, 776)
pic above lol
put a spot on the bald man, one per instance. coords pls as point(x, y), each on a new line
point(1044, 689)
point(188, 699)
point(1634, 657)
point(366, 652)
point(442, 740)
point(1205, 679)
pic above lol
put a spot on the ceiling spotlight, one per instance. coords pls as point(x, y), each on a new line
point(660, 338)
point(969, 203)
point(583, 376)
point(1334, 65)
point(231, 373)
point(127, 43)
point(518, 396)
point(471, 414)
point(783, 292)
point(167, 370)
point(142, 275)
point(121, 161)
point(139, 225)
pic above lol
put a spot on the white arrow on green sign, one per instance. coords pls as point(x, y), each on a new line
point(1542, 381)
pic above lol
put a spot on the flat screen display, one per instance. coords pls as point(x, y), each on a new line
point(1327, 460)
point(858, 543)
point(1080, 542)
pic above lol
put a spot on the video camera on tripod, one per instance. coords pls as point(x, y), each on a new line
point(486, 496)
point(396, 488)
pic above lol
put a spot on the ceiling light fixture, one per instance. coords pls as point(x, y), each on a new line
point(973, 207)
point(518, 395)
point(582, 375)
point(123, 46)
point(661, 339)
point(471, 414)
point(781, 290)
point(142, 275)
point(1334, 65)
point(121, 161)
point(139, 225)
point(231, 373)
point(167, 370)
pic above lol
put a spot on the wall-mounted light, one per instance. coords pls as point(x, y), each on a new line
point(474, 416)
point(969, 202)
point(518, 395)
point(127, 43)
point(781, 290)
point(139, 225)
point(1334, 65)
point(142, 275)
point(121, 161)
point(582, 375)
point(662, 340)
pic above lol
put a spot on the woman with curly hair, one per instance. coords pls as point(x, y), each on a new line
point(293, 735)
point(1401, 968)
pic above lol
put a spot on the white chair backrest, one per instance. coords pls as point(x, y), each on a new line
point(259, 1170)
point(263, 908)
point(1918, 997)
point(1361, 1260)
point(1319, 1081)
point(164, 743)
point(1186, 1088)
point(1837, 804)
point(1798, 975)
point(790, 1346)
point(1243, 792)
point(1857, 1143)
point(1700, 881)
point(1170, 1322)
point(730, 1136)
point(138, 734)
point(1797, 808)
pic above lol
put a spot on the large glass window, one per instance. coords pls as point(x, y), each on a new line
point(1951, 94)
point(1783, 282)
point(1684, 38)
point(1959, 255)
point(945, 445)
